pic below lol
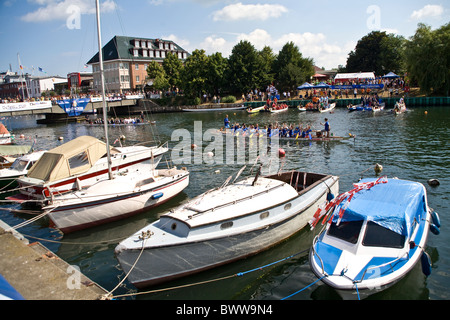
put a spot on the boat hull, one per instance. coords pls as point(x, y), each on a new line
point(73, 217)
point(164, 263)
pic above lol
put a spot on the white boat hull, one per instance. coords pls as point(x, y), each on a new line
point(114, 201)
point(249, 235)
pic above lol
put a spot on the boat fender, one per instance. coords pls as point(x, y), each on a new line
point(157, 195)
point(433, 182)
point(378, 168)
point(330, 196)
point(426, 263)
point(434, 229)
point(412, 245)
point(436, 219)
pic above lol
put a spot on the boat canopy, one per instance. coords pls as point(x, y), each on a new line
point(393, 205)
point(74, 157)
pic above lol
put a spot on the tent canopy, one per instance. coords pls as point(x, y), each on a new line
point(304, 86)
point(354, 76)
point(391, 75)
point(74, 157)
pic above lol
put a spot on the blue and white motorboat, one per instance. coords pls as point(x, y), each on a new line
point(374, 235)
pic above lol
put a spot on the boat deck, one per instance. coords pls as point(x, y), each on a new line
point(38, 274)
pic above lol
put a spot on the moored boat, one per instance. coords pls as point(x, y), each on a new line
point(255, 110)
point(18, 169)
point(78, 164)
point(326, 107)
point(276, 108)
point(374, 235)
point(223, 225)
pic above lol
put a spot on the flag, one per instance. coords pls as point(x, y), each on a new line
point(21, 67)
point(85, 66)
point(41, 70)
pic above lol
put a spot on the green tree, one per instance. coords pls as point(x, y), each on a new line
point(366, 56)
point(156, 72)
point(243, 73)
point(291, 69)
point(428, 59)
point(172, 67)
point(392, 55)
point(217, 65)
point(267, 59)
point(194, 75)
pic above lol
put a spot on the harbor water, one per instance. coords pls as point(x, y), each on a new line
point(412, 146)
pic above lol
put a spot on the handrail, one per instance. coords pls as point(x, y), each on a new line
point(382, 265)
point(316, 254)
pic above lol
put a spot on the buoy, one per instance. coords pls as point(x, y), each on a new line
point(436, 219)
point(434, 229)
point(281, 153)
point(426, 263)
point(193, 146)
point(433, 182)
point(426, 112)
point(60, 138)
point(22, 136)
point(210, 154)
point(378, 168)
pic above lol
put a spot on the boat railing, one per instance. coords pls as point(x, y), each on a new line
point(314, 252)
point(383, 265)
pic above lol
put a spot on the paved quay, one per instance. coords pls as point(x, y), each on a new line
point(38, 274)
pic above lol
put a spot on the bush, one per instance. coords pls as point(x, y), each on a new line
point(197, 101)
point(229, 99)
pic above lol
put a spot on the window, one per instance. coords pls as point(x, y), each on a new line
point(135, 52)
point(226, 225)
point(379, 236)
point(79, 160)
point(136, 66)
point(264, 215)
point(347, 230)
point(137, 79)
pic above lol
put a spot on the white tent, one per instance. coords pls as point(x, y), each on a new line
point(354, 76)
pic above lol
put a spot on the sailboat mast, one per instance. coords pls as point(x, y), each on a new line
point(102, 78)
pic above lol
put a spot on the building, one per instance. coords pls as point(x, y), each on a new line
point(37, 85)
point(82, 82)
point(125, 61)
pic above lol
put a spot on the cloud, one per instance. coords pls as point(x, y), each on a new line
point(50, 10)
point(429, 11)
point(311, 45)
point(239, 11)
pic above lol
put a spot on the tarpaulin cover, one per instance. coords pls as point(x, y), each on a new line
point(73, 107)
point(393, 205)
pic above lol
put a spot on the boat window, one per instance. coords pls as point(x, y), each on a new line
point(379, 236)
point(226, 225)
point(287, 206)
point(264, 215)
point(144, 182)
point(79, 160)
point(19, 164)
point(347, 230)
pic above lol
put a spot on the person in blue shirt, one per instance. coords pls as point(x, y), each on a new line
point(226, 122)
point(327, 127)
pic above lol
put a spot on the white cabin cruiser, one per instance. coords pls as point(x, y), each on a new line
point(223, 225)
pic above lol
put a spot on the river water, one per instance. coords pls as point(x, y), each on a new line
point(411, 146)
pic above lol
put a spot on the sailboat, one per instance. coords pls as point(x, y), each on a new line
point(120, 194)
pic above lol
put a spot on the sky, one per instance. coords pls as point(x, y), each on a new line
point(60, 36)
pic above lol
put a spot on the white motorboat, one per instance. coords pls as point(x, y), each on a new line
point(108, 200)
point(374, 235)
point(326, 107)
point(78, 164)
point(18, 169)
point(223, 225)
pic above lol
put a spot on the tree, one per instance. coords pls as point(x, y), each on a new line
point(194, 75)
point(216, 68)
point(156, 72)
point(172, 67)
point(392, 55)
point(291, 69)
point(267, 59)
point(366, 56)
point(243, 73)
point(428, 59)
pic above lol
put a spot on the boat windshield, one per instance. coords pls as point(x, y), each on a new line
point(346, 230)
point(379, 236)
point(19, 165)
